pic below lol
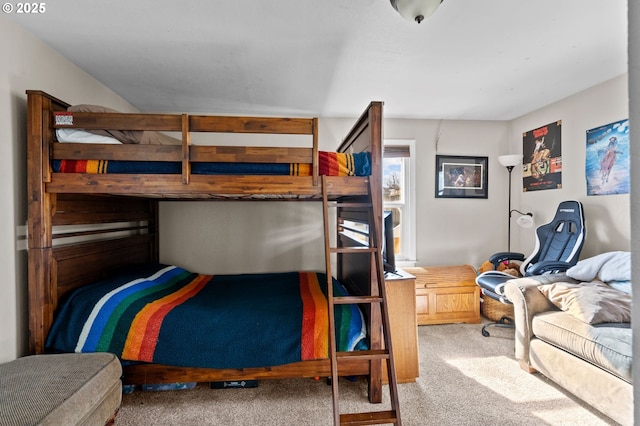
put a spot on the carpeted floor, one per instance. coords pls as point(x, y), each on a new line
point(465, 379)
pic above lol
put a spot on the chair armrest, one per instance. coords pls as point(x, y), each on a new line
point(498, 258)
point(528, 301)
point(553, 266)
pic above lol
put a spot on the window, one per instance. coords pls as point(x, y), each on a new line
point(398, 196)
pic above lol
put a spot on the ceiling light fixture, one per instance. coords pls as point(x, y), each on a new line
point(416, 10)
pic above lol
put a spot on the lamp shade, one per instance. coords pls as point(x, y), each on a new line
point(415, 10)
point(510, 160)
point(525, 221)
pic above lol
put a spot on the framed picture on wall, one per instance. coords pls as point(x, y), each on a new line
point(461, 177)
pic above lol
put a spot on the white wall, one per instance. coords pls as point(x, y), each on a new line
point(27, 64)
point(242, 236)
point(453, 231)
point(608, 217)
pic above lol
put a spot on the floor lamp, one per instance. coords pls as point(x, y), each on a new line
point(526, 219)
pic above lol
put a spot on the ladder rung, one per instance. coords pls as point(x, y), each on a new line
point(353, 249)
point(367, 355)
point(372, 418)
point(350, 300)
point(350, 205)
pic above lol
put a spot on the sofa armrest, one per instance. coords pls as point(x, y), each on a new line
point(528, 301)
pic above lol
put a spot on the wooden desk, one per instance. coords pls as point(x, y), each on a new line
point(401, 302)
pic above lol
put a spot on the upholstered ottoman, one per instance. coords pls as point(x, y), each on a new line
point(60, 389)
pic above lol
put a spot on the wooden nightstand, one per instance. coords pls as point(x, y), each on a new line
point(401, 302)
point(446, 294)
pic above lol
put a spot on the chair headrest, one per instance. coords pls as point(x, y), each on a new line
point(569, 211)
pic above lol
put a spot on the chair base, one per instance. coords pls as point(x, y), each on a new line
point(504, 322)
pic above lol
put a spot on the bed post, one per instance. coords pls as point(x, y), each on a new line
point(375, 129)
point(40, 208)
point(315, 168)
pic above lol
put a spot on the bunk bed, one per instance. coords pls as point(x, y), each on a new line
point(84, 223)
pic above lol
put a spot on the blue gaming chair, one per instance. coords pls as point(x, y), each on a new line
point(558, 245)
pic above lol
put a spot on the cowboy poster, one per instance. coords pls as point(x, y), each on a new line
point(607, 159)
point(542, 158)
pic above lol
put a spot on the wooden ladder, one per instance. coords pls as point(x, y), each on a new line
point(374, 213)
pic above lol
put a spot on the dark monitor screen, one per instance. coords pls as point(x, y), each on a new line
point(388, 255)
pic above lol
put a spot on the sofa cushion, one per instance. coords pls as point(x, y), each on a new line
point(592, 302)
point(60, 389)
point(606, 345)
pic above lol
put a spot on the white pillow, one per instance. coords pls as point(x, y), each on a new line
point(82, 136)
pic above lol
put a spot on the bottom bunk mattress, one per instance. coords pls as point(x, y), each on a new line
point(167, 315)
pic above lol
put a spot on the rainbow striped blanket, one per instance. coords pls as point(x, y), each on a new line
point(329, 164)
point(168, 315)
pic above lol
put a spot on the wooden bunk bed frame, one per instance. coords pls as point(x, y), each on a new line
point(127, 204)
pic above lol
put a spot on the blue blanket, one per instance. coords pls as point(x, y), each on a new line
point(168, 315)
point(330, 164)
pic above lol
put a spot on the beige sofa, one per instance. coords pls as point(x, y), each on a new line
point(593, 362)
point(61, 390)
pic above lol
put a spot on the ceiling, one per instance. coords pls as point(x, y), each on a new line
point(473, 59)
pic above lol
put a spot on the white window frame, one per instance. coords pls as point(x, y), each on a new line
point(408, 238)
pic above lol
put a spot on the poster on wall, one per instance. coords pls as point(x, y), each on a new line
point(542, 158)
point(607, 159)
